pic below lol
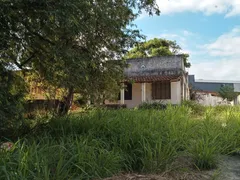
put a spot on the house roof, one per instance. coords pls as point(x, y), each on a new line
point(155, 66)
point(213, 81)
point(217, 81)
point(139, 79)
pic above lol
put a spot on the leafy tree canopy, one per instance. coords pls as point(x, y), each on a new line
point(157, 47)
point(227, 92)
point(12, 91)
point(71, 43)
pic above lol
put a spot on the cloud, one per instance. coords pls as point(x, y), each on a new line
point(181, 37)
point(187, 33)
point(221, 58)
point(217, 60)
point(227, 7)
point(224, 69)
point(226, 45)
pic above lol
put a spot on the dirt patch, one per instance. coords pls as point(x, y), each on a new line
point(181, 169)
point(167, 176)
point(230, 168)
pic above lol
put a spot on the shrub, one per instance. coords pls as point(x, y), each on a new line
point(204, 153)
point(153, 105)
point(11, 102)
point(197, 109)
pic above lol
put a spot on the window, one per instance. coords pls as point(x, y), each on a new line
point(161, 90)
point(127, 92)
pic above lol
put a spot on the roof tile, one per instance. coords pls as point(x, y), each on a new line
point(153, 78)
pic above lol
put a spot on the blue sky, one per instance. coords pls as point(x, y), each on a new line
point(209, 30)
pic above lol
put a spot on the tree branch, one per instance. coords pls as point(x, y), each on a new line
point(37, 34)
point(27, 60)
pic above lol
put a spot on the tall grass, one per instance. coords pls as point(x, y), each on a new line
point(106, 142)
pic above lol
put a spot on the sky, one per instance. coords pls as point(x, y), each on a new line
point(209, 30)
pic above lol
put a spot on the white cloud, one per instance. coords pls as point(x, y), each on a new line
point(181, 38)
point(226, 45)
point(187, 33)
point(223, 58)
point(208, 7)
point(225, 69)
point(219, 60)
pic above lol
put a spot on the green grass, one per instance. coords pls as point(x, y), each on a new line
point(102, 143)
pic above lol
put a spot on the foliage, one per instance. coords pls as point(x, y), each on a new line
point(101, 143)
point(157, 47)
point(227, 92)
point(194, 106)
point(153, 105)
point(71, 44)
point(204, 153)
point(79, 100)
point(12, 93)
point(38, 86)
point(194, 95)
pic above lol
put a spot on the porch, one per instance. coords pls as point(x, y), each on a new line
point(165, 89)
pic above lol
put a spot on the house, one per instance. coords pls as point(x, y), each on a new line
point(152, 79)
point(208, 89)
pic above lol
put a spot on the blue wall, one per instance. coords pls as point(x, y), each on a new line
point(207, 86)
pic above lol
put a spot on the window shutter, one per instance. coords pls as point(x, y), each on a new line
point(161, 90)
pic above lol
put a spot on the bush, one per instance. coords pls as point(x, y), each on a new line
point(196, 108)
point(12, 91)
point(153, 105)
point(204, 154)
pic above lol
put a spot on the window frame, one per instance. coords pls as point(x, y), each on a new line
point(161, 90)
point(128, 91)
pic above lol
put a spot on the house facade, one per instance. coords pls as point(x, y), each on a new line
point(162, 79)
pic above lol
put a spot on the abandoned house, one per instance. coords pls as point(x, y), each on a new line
point(153, 79)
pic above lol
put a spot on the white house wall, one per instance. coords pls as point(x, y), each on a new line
point(176, 92)
point(238, 99)
point(236, 87)
point(137, 94)
point(207, 99)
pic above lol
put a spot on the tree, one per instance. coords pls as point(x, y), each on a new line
point(227, 92)
point(12, 91)
point(70, 43)
point(157, 47)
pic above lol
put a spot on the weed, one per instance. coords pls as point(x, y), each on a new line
point(102, 142)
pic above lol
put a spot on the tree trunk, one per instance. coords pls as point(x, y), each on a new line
point(67, 102)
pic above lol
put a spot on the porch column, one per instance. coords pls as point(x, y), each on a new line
point(122, 96)
point(143, 92)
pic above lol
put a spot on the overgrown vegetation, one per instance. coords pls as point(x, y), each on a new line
point(12, 92)
point(153, 105)
point(75, 46)
point(72, 44)
point(158, 47)
point(227, 92)
point(101, 143)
